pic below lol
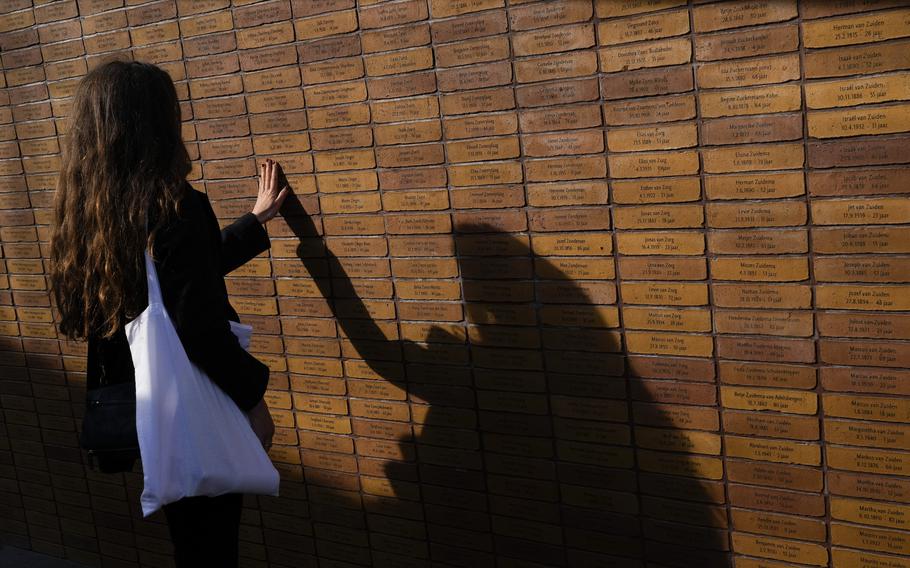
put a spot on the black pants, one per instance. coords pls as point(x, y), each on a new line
point(205, 530)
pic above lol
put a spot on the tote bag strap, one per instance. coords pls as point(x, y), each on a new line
point(152, 279)
point(154, 288)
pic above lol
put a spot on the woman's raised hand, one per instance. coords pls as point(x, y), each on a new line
point(269, 199)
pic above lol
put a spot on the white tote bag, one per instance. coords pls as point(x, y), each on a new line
point(193, 439)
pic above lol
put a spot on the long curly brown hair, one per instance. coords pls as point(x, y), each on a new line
point(123, 159)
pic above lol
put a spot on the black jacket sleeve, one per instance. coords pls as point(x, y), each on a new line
point(241, 241)
point(190, 268)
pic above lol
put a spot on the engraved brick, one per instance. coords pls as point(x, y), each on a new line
point(752, 129)
point(547, 14)
point(325, 25)
point(549, 40)
point(866, 121)
point(647, 82)
point(651, 54)
point(442, 8)
point(746, 44)
point(857, 29)
point(393, 38)
point(775, 69)
point(742, 13)
point(475, 76)
point(650, 26)
point(561, 66)
point(853, 60)
point(470, 26)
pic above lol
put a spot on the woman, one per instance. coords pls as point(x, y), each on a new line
point(124, 160)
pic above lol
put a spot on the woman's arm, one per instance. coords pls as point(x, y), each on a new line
point(187, 264)
point(246, 237)
point(241, 241)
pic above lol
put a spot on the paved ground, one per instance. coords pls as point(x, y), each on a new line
point(17, 558)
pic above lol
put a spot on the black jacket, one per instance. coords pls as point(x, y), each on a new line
point(192, 255)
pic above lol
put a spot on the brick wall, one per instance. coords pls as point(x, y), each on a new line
point(565, 283)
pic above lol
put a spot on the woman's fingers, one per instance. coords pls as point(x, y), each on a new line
point(264, 184)
point(273, 176)
point(268, 180)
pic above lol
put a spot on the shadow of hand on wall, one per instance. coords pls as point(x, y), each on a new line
point(522, 435)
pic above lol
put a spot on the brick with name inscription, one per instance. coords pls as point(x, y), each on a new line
point(544, 15)
point(659, 109)
point(746, 44)
point(650, 26)
point(661, 190)
point(840, 62)
point(850, 92)
point(652, 54)
point(776, 69)
point(857, 29)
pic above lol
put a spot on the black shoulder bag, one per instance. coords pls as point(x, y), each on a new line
point(109, 427)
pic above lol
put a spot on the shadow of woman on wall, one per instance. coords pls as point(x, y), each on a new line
point(501, 423)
